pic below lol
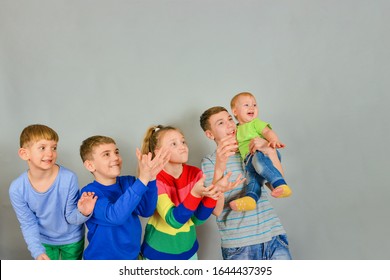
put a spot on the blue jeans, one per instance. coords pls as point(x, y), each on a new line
point(259, 169)
point(275, 249)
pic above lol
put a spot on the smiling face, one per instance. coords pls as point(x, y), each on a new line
point(176, 143)
point(245, 108)
point(105, 163)
point(221, 125)
point(40, 155)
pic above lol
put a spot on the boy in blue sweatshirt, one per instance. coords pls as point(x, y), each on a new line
point(114, 230)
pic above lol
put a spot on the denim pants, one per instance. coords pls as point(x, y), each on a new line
point(275, 249)
point(258, 170)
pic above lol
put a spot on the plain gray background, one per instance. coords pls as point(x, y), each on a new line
point(319, 70)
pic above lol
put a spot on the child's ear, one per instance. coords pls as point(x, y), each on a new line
point(209, 134)
point(234, 112)
point(23, 154)
point(89, 165)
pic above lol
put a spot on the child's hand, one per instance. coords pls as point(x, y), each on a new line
point(225, 185)
point(43, 257)
point(86, 203)
point(276, 144)
point(148, 168)
point(259, 144)
point(227, 147)
point(199, 188)
point(213, 192)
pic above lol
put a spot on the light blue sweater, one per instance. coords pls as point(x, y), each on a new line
point(50, 217)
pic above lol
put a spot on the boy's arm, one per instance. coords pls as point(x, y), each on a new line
point(28, 222)
point(108, 213)
point(208, 168)
point(72, 214)
point(272, 138)
point(148, 170)
point(215, 171)
point(148, 203)
point(86, 203)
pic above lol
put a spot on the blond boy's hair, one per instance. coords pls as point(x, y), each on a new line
point(233, 102)
point(36, 132)
point(87, 146)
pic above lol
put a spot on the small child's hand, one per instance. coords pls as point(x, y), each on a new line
point(276, 144)
point(86, 203)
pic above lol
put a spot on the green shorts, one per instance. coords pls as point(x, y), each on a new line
point(73, 251)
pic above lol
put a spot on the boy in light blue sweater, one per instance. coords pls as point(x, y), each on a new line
point(46, 199)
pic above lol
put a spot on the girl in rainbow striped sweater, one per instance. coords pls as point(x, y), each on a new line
point(183, 200)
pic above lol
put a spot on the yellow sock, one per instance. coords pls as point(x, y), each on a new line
point(245, 203)
point(281, 191)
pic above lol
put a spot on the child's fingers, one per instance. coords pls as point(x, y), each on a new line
point(138, 153)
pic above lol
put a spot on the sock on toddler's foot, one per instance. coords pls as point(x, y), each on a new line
point(245, 203)
point(281, 191)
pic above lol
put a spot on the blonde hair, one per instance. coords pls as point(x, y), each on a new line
point(36, 132)
point(152, 138)
point(233, 102)
point(87, 146)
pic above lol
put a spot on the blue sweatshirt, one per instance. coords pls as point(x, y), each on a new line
point(114, 230)
point(49, 217)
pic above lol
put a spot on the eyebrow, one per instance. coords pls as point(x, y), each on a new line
point(218, 120)
point(222, 119)
point(105, 151)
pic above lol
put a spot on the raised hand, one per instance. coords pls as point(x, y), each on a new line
point(199, 188)
point(148, 167)
point(86, 203)
point(226, 148)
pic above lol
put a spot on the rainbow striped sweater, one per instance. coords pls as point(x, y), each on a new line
point(170, 233)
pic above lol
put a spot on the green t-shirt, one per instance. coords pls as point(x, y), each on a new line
point(247, 131)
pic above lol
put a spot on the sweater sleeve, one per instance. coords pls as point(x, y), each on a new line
point(177, 216)
point(204, 210)
point(148, 203)
point(72, 214)
point(28, 221)
point(108, 213)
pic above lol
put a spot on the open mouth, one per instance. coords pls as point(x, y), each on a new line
point(232, 133)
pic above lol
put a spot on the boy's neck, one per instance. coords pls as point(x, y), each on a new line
point(105, 181)
point(41, 180)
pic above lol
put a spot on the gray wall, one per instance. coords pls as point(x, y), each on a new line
point(319, 70)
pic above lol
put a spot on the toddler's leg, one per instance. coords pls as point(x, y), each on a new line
point(253, 190)
point(266, 168)
point(281, 191)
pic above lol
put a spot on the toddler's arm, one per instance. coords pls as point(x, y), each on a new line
point(272, 138)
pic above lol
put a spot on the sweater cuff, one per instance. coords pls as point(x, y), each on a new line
point(209, 202)
point(191, 202)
